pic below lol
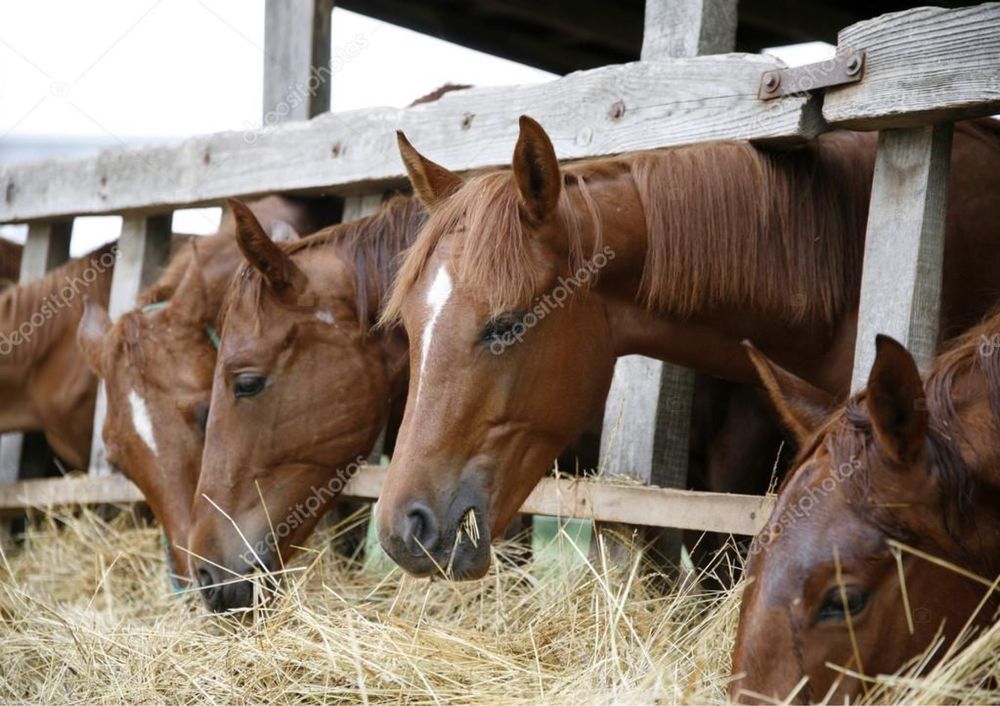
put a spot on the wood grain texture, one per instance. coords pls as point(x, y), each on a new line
point(904, 245)
point(924, 65)
point(665, 103)
point(585, 500)
point(296, 59)
point(680, 28)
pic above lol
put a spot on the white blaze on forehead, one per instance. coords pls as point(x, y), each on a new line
point(325, 316)
point(141, 420)
point(437, 296)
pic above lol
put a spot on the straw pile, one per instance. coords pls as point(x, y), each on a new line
point(86, 616)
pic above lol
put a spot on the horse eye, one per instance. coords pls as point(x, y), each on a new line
point(833, 606)
point(248, 385)
point(501, 327)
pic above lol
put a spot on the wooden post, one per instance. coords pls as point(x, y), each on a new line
point(46, 248)
point(904, 245)
point(678, 28)
point(648, 412)
point(143, 247)
point(296, 59)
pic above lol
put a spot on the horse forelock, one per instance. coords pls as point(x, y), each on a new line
point(372, 244)
point(849, 438)
point(782, 232)
point(492, 254)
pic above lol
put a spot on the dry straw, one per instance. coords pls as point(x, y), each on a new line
point(86, 617)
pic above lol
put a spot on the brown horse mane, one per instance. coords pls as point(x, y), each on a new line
point(781, 231)
point(373, 243)
point(43, 299)
point(848, 433)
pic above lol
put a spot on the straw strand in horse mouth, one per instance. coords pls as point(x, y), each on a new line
point(467, 527)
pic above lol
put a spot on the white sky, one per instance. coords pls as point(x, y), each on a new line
point(134, 71)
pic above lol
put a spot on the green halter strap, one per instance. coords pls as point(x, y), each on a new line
point(210, 331)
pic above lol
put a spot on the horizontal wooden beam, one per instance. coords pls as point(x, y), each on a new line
point(923, 66)
point(604, 111)
point(587, 500)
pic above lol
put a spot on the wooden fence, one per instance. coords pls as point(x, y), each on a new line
point(917, 71)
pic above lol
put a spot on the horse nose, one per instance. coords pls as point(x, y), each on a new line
point(222, 591)
point(420, 530)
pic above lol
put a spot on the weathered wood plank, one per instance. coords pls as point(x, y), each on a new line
point(585, 500)
point(143, 247)
point(296, 59)
point(678, 28)
point(589, 113)
point(904, 245)
point(924, 65)
point(46, 247)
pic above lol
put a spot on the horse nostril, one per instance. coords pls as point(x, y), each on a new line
point(420, 533)
point(206, 580)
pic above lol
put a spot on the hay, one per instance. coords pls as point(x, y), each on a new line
point(86, 616)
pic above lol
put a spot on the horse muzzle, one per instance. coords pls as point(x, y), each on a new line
point(224, 590)
point(456, 546)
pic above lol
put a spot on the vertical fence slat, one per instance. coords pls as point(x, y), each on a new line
point(296, 59)
point(904, 245)
point(648, 412)
point(143, 247)
point(678, 28)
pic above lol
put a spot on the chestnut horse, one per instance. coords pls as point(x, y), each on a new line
point(524, 287)
point(847, 572)
point(44, 383)
point(157, 361)
point(301, 391)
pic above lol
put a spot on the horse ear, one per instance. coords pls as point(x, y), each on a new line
point(283, 231)
point(93, 327)
point(896, 401)
point(431, 182)
point(801, 406)
point(190, 300)
point(263, 254)
point(536, 170)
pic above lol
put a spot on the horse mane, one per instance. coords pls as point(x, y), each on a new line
point(35, 314)
point(373, 243)
point(781, 231)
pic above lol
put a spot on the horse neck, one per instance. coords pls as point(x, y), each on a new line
point(720, 243)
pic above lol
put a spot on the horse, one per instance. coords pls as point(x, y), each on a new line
point(44, 383)
point(157, 361)
point(884, 545)
point(10, 263)
point(297, 359)
point(526, 285)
